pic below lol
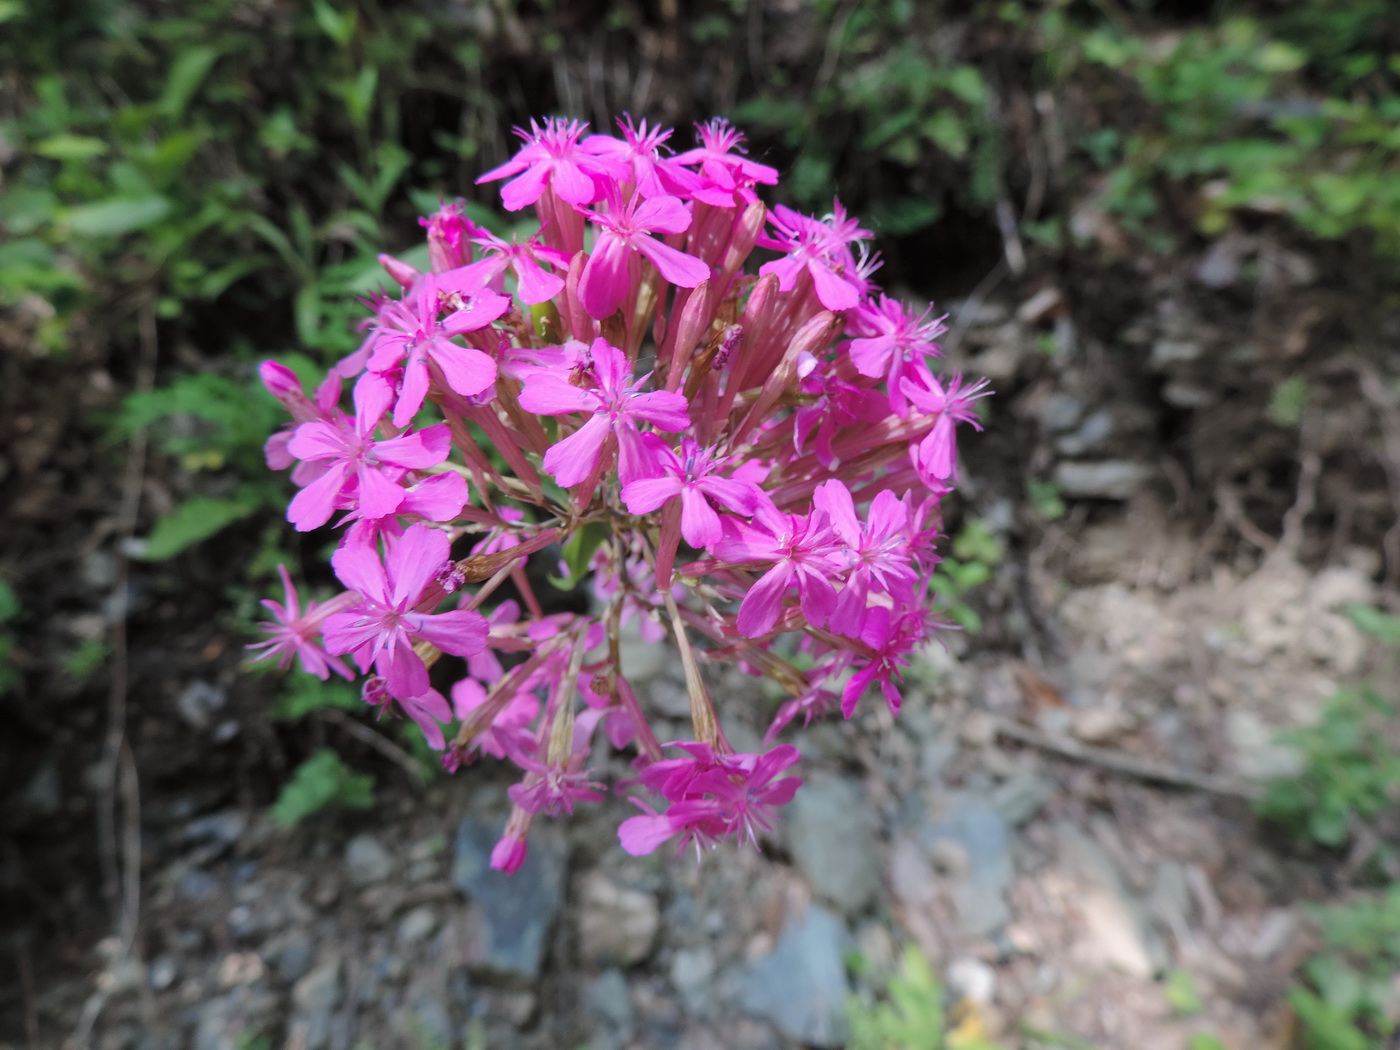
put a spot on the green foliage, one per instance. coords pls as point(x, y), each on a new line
point(1347, 1000)
point(210, 424)
point(910, 1016)
point(9, 612)
point(1379, 624)
point(974, 556)
point(1289, 399)
point(1260, 114)
point(322, 780)
point(884, 107)
point(1351, 771)
point(304, 693)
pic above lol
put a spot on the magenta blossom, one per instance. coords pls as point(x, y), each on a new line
point(820, 249)
point(383, 628)
point(409, 334)
point(361, 472)
point(936, 455)
point(552, 158)
point(533, 283)
point(428, 711)
point(640, 153)
point(802, 550)
point(723, 164)
point(692, 475)
point(889, 338)
point(626, 231)
point(617, 406)
point(297, 634)
point(719, 797)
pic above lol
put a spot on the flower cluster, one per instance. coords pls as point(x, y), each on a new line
point(750, 463)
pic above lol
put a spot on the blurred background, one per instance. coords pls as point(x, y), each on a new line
point(1146, 797)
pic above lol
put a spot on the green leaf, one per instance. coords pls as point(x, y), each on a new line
point(67, 146)
point(194, 520)
point(1181, 994)
point(303, 693)
point(339, 26)
point(1380, 625)
point(322, 780)
point(116, 216)
point(187, 73)
point(9, 603)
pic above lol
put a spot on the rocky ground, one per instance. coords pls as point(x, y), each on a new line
point(1059, 820)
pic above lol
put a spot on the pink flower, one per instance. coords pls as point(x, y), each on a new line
point(553, 158)
point(450, 234)
point(692, 476)
point(718, 796)
point(640, 154)
point(409, 333)
point(936, 456)
point(617, 407)
point(382, 629)
point(821, 249)
point(725, 168)
point(533, 283)
point(880, 556)
point(624, 231)
point(803, 551)
point(892, 637)
point(297, 634)
point(889, 339)
point(428, 711)
point(360, 472)
point(508, 734)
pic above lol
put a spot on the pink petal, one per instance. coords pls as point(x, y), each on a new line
point(646, 494)
point(682, 270)
point(377, 497)
point(524, 190)
point(359, 568)
point(699, 523)
point(438, 498)
point(402, 669)
point(415, 562)
point(571, 460)
point(312, 506)
point(466, 369)
point(641, 835)
point(835, 293)
point(762, 604)
point(663, 214)
point(459, 631)
point(535, 285)
point(605, 280)
point(426, 448)
point(546, 394)
point(414, 390)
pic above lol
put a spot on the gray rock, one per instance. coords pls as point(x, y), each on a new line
point(691, 972)
point(424, 1021)
point(227, 1022)
point(1167, 352)
point(367, 861)
point(1090, 434)
point(972, 980)
point(610, 1000)
point(1020, 797)
point(417, 925)
point(969, 840)
point(1115, 479)
point(1061, 411)
point(293, 958)
point(1117, 931)
point(801, 985)
point(224, 827)
point(43, 794)
point(197, 702)
point(831, 834)
point(617, 924)
point(313, 999)
point(162, 973)
point(517, 910)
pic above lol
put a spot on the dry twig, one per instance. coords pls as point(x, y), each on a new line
point(1130, 765)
